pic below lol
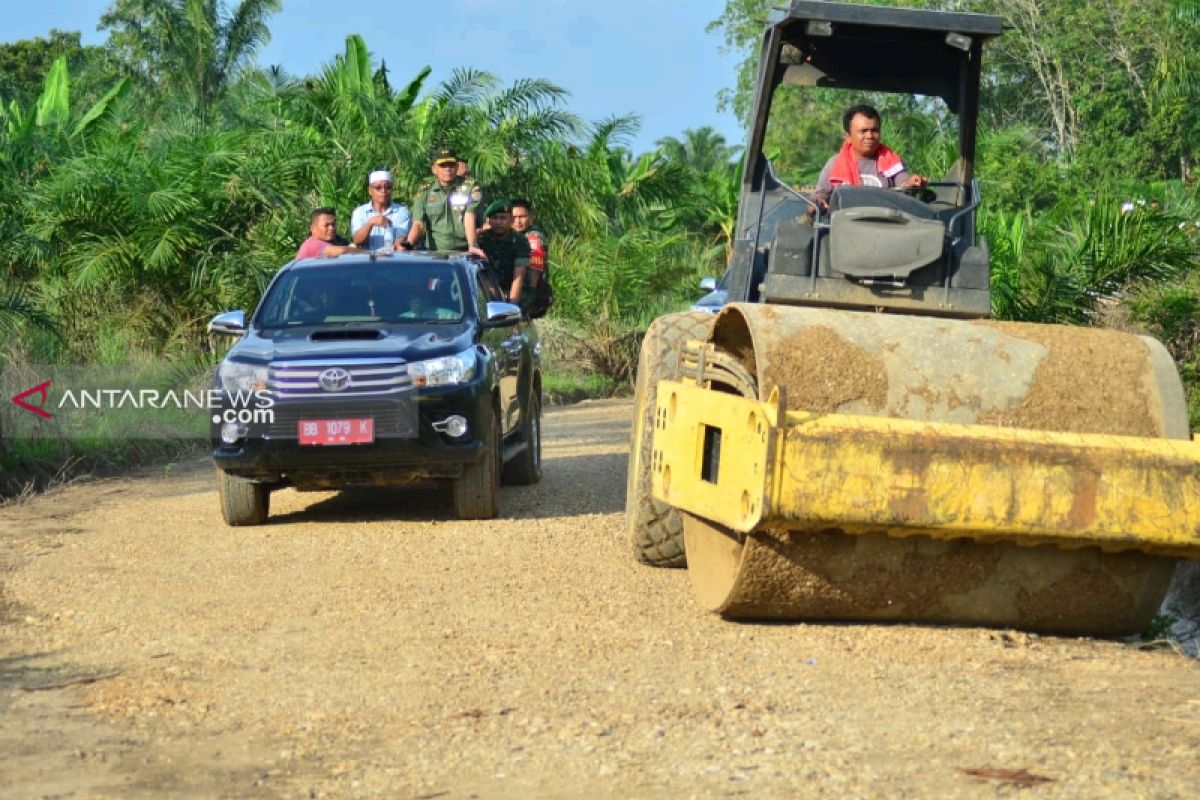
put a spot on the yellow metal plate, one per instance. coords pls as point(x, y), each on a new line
point(861, 474)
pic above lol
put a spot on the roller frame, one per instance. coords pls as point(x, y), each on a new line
point(854, 474)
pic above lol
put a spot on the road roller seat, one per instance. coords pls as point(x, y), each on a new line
point(882, 233)
point(877, 247)
point(868, 233)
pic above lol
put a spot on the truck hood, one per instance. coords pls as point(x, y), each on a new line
point(408, 342)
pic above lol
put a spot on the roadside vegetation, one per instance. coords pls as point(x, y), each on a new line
point(151, 182)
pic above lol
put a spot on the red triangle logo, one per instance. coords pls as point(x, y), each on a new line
point(42, 389)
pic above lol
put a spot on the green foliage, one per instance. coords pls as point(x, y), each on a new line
point(54, 105)
point(714, 173)
point(1015, 172)
point(161, 199)
point(702, 150)
point(17, 312)
point(613, 286)
point(142, 216)
point(562, 387)
point(187, 50)
point(101, 108)
point(24, 64)
point(1066, 264)
point(617, 278)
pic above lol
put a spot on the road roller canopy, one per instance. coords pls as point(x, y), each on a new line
point(871, 247)
point(878, 49)
point(875, 49)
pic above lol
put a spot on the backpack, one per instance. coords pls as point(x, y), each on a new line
point(543, 294)
point(543, 297)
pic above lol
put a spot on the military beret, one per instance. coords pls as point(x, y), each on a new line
point(497, 206)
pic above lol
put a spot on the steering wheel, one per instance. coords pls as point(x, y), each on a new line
point(922, 193)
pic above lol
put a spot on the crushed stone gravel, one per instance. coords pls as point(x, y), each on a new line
point(367, 644)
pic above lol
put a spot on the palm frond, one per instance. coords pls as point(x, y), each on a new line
point(612, 132)
point(16, 311)
point(522, 97)
point(407, 96)
point(245, 33)
point(102, 108)
point(465, 87)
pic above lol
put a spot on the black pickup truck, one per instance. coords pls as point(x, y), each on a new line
point(377, 370)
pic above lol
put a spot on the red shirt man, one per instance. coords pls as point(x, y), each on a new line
point(323, 241)
point(864, 160)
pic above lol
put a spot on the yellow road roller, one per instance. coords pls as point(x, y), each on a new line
point(851, 438)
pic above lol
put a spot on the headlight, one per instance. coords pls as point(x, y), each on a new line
point(458, 368)
point(235, 376)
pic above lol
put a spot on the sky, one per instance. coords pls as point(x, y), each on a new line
point(651, 58)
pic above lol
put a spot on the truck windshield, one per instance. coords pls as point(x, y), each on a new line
point(371, 293)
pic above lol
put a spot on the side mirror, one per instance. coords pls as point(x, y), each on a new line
point(231, 323)
point(708, 284)
point(502, 314)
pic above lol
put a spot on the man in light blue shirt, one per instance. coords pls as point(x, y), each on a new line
point(380, 224)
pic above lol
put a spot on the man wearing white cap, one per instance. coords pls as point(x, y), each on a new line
point(380, 224)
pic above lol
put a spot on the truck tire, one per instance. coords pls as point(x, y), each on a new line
point(655, 528)
point(525, 468)
point(477, 490)
point(243, 502)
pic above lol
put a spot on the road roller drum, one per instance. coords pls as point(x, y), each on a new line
point(929, 470)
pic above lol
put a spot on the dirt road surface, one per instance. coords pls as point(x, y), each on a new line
point(366, 644)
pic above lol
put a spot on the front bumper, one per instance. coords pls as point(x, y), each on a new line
point(407, 449)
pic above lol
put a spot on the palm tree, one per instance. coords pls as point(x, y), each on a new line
point(633, 193)
point(500, 128)
point(189, 47)
point(704, 150)
point(168, 223)
point(1174, 81)
point(721, 190)
point(612, 286)
point(1062, 266)
point(352, 113)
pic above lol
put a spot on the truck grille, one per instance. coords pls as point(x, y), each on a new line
point(379, 388)
point(364, 377)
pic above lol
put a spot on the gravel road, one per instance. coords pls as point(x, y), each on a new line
point(367, 644)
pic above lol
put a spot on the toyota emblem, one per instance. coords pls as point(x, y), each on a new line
point(334, 379)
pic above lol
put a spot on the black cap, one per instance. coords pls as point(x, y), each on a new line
point(445, 155)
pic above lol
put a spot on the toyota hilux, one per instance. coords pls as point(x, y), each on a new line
point(378, 370)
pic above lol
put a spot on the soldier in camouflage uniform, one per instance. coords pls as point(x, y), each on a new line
point(507, 251)
point(537, 296)
point(444, 209)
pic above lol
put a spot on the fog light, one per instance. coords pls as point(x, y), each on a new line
point(232, 431)
point(454, 426)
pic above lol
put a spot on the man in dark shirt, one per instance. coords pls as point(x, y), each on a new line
point(507, 251)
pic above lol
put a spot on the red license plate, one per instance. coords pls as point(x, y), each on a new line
point(336, 431)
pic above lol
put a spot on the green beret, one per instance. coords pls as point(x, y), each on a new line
point(496, 207)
